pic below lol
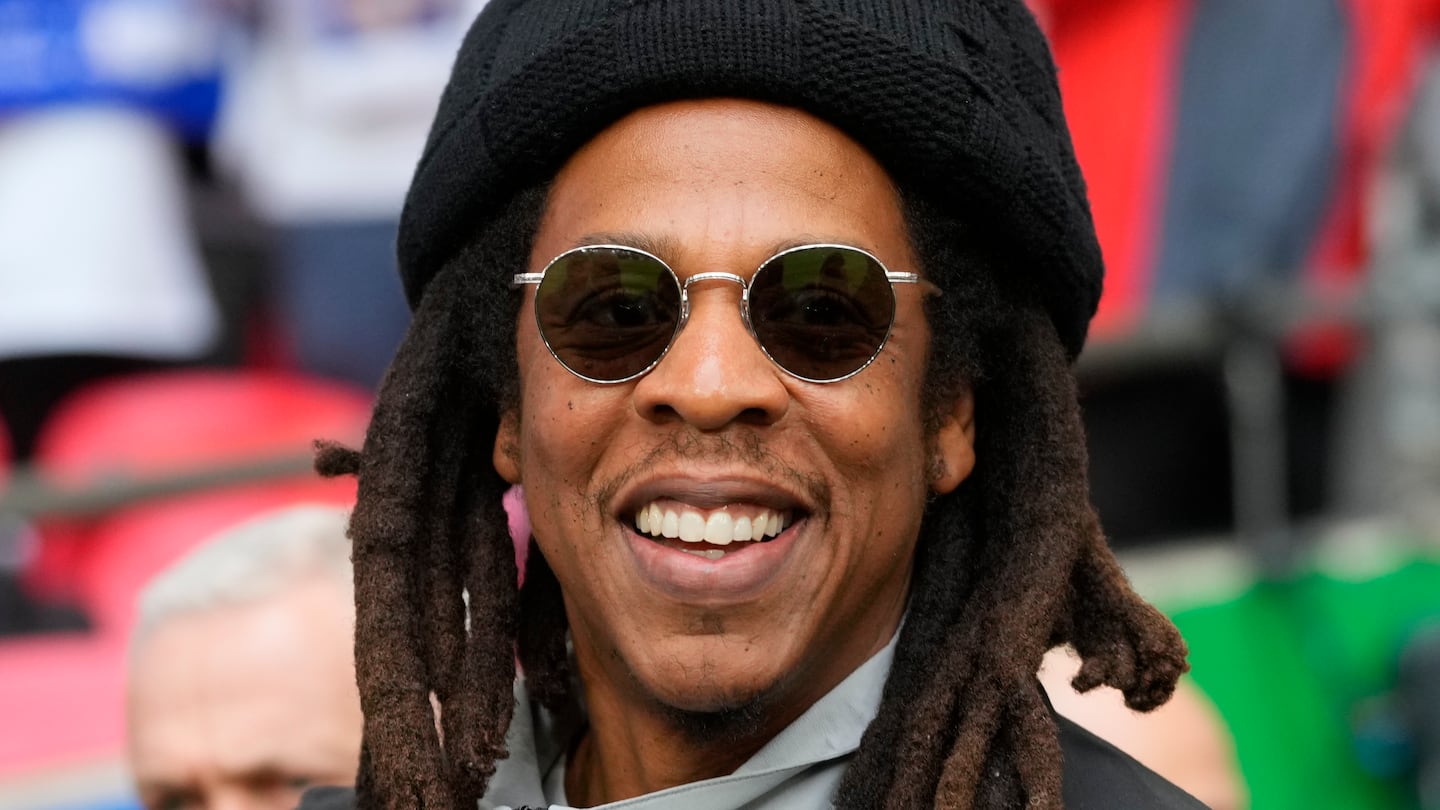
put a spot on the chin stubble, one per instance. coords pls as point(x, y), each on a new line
point(728, 725)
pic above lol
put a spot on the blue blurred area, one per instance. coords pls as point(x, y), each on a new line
point(126, 802)
point(158, 55)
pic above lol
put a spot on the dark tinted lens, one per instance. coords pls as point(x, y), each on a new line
point(822, 313)
point(607, 313)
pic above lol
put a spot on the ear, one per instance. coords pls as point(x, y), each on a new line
point(953, 446)
point(506, 455)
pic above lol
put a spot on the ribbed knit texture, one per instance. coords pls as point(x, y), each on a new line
point(957, 99)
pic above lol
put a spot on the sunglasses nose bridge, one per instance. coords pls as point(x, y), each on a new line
point(714, 275)
point(710, 275)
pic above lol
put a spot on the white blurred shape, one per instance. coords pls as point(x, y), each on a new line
point(96, 255)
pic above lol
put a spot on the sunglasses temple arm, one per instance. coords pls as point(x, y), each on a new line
point(521, 279)
point(896, 277)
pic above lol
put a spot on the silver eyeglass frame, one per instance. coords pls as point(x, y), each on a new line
point(894, 277)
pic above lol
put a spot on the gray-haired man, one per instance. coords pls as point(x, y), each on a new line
point(241, 689)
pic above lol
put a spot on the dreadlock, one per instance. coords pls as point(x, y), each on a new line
point(429, 531)
point(1010, 564)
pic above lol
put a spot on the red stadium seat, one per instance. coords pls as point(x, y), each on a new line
point(126, 549)
point(173, 423)
point(165, 422)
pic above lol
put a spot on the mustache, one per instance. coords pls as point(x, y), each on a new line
point(730, 448)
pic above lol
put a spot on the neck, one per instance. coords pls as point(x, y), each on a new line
point(639, 741)
point(627, 752)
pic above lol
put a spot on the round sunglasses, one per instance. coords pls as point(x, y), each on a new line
point(820, 312)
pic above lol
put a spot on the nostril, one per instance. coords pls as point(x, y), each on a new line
point(755, 416)
point(660, 412)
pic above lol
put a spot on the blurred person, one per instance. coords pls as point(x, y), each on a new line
point(99, 271)
point(327, 108)
point(241, 686)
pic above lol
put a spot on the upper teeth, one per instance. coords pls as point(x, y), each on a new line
point(719, 527)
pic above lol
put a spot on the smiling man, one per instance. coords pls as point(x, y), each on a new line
point(770, 308)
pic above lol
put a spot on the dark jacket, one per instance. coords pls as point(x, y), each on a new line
point(1099, 776)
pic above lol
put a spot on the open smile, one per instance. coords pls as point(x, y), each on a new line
point(712, 541)
point(709, 533)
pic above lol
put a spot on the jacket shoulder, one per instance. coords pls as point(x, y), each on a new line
point(328, 798)
point(1099, 776)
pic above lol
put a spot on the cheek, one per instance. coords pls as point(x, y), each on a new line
point(568, 424)
point(873, 419)
point(565, 440)
point(553, 429)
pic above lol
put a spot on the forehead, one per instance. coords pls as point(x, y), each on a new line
point(220, 691)
point(723, 178)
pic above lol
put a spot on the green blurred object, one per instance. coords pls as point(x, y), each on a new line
point(1303, 670)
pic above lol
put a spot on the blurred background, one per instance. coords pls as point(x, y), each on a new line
point(197, 208)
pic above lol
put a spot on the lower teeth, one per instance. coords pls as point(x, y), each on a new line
point(709, 554)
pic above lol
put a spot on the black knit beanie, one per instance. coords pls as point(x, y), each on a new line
point(957, 99)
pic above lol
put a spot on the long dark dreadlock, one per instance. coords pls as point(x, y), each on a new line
point(1009, 565)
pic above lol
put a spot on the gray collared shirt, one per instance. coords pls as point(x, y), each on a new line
point(800, 767)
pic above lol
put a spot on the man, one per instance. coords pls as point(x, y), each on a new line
point(795, 544)
point(241, 686)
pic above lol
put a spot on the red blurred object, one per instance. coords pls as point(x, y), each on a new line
point(172, 423)
point(1121, 115)
point(62, 700)
point(128, 548)
point(1120, 70)
point(1389, 41)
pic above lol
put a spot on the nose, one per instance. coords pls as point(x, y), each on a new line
point(714, 373)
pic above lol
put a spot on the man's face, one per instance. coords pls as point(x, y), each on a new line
point(721, 185)
point(242, 708)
